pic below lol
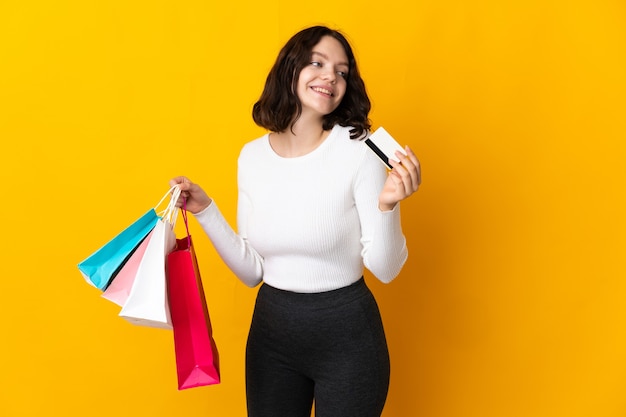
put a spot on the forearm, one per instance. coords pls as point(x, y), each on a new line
point(385, 253)
point(235, 251)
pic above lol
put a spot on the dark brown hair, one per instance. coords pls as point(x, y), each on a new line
point(279, 108)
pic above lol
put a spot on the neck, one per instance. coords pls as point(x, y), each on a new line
point(304, 137)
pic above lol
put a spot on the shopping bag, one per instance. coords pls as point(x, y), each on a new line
point(197, 359)
point(100, 267)
point(147, 303)
point(120, 286)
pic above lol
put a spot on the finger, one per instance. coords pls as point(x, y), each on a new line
point(411, 163)
point(182, 180)
point(396, 178)
point(408, 173)
point(175, 181)
point(186, 186)
point(401, 179)
point(412, 157)
point(416, 163)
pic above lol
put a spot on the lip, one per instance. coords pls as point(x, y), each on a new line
point(326, 91)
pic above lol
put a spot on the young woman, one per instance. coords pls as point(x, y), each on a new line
point(315, 206)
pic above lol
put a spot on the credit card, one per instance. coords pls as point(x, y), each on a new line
point(384, 145)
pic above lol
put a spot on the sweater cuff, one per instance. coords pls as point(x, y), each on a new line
point(395, 209)
point(391, 219)
point(208, 214)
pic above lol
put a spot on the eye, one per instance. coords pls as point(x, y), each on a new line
point(316, 64)
point(342, 74)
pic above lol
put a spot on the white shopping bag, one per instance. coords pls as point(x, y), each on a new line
point(147, 303)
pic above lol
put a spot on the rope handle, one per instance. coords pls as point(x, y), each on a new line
point(183, 210)
point(170, 213)
point(165, 196)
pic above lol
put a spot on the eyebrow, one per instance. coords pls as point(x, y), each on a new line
point(326, 57)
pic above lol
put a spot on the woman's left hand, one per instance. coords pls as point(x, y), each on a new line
point(403, 180)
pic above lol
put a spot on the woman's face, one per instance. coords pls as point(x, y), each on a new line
point(322, 83)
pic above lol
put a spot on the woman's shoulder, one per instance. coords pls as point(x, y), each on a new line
point(343, 134)
point(255, 146)
point(346, 131)
point(355, 147)
point(257, 142)
point(357, 151)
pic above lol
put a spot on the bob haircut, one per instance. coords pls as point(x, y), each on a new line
point(279, 107)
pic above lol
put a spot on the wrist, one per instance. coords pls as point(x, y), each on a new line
point(202, 208)
point(386, 206)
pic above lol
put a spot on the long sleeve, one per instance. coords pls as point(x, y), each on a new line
point(384, 245)
point(234, 250)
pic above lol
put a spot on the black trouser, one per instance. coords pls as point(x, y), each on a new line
point(327, 346)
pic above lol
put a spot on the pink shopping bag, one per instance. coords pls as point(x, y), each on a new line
point(119, 289)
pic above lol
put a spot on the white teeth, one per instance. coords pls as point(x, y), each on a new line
point(322, 90)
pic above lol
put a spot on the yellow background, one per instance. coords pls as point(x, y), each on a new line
point(513, 300)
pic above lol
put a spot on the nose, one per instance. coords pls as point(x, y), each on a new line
point(330, 76)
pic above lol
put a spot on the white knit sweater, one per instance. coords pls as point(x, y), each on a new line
point(310, 223)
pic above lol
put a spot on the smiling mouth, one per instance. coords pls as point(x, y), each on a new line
point(323, 91)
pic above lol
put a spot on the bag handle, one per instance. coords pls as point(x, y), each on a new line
point(170, 213)
point(183, 210)
point(165, 196)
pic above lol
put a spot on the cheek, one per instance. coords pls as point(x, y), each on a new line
point(300, 89)
point(304, 76)
point(342, 91)
point(302, 81)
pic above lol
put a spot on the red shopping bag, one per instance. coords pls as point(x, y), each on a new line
point(197, 360)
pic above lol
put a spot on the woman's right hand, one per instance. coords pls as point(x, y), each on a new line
point(196, 199)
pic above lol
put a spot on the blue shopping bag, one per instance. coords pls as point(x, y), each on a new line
point(102, 266)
